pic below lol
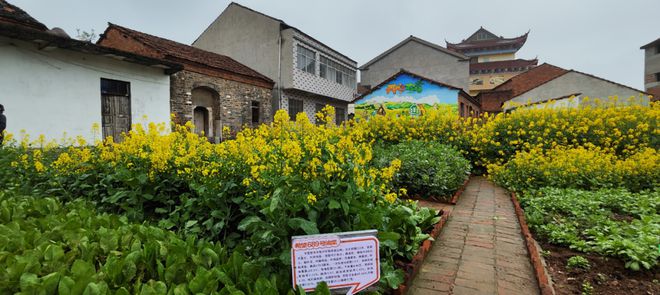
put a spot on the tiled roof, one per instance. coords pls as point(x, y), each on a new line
point(179, 52)
point(12, 14)
point(46, 39)
point(504, 64)
point(524, 82)
point(494, 41)
point(531, 79)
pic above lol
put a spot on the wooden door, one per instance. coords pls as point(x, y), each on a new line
point(200, 120)
point(116, 112)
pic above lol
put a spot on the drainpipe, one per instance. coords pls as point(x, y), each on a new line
point(279, 68)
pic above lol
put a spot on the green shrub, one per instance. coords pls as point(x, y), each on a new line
point(578, 261)
point(428, 169)
point(252, 193)
point(612, 222)
point(47, 247)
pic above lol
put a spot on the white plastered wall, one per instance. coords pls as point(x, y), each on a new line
point(51, 92)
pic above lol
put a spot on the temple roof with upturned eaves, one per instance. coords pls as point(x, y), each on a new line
point(483, 41)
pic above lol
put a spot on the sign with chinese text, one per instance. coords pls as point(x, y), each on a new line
point(347, 260)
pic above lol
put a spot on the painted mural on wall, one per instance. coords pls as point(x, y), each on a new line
point(407, 94)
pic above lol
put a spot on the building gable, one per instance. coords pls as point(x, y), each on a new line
point(481, 35)
point(417, 40)
point(577, 82)
point(405, 86)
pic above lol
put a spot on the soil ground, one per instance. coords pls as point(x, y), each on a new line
point(606, 275)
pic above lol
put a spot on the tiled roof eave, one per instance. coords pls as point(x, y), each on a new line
point(179, 52)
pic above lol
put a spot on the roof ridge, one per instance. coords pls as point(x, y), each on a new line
point(408, 39)
point(527, 73)
point(282, 22)
point(650, 44)
point(607, 80)
point(216, 60)
point(486, 40)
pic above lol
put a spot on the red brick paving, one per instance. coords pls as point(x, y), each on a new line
point(480, 250)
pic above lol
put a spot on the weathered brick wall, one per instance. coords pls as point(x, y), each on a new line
point(232, 106)
point(468, 105)
point(655, 91)
point(491, 101)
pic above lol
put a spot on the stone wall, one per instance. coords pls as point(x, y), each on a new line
point(232, 107)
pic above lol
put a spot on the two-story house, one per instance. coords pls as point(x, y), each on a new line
point(652, 68)
point(308, 74)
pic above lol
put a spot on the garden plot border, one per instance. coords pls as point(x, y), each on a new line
point(538, 264)
point(412, 268)
point(454, 197)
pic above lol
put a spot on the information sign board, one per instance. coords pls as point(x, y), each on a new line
point(348, 260)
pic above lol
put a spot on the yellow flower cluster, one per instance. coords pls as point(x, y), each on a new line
point(441, 124)
point(325, 152)
point(257, 157)
point(619, 130)
point(579, 167)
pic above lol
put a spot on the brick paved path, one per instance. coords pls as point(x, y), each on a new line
point(480, 250)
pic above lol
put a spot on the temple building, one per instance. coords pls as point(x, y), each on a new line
point(492, 59)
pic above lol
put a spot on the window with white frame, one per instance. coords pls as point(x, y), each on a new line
point(337, 73)
point(306, 60)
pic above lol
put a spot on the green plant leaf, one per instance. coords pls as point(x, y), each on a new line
point(248, 223)
point(309, 227)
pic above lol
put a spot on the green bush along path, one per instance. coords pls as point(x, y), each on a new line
point(480, 250)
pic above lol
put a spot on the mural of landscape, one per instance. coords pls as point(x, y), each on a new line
point(404, 92)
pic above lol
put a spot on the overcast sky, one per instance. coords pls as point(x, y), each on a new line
point(597, 37)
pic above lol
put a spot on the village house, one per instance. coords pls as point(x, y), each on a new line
point(547, 83)
point(652, 68)
point(420, 57)
point(213, 91)
point(308, 74)
point(52, 84)
point(492, 59)
point(407, 93)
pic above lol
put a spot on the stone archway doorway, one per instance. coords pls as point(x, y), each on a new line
point(203, 100)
